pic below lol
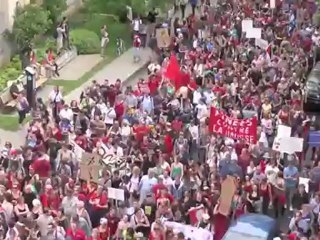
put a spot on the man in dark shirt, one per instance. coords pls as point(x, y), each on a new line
point(149, 208)
point(300, 198)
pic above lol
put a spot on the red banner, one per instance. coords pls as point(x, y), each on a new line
point(233, 128)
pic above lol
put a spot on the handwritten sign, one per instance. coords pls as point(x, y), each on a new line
point(90, 167)
point(163, 38)
point(234, 128)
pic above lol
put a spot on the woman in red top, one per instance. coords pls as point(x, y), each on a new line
point(266, 194)
point(49, 61)
point(99, 205)
point(103, 230)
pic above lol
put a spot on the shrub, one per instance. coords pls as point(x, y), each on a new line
point(86, 42)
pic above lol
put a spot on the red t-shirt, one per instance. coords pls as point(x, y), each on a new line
point(112, 224)
point(103, 199)
point(42, 168)
point(79, 234)
point(168, 143)
point(154, 84)
point(119, 109)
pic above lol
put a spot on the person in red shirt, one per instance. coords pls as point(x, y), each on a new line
point(74, 232)
point(119, 109)
point(164, 196)
point(153, 84)
point(113, 221)
point(41, 166)
point(47, 196)
point(99, 203)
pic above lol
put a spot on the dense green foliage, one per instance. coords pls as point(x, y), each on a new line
point(86, 41)
point(30, 22)
point(55, 9)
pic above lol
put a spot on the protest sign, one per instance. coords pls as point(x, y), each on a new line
point(234, 128)
point(191, 232)
point(314, 139)
point(272, 4)
point(78, 151)
point(290, 145)
point(228, 189)
point(90, 167)
point(246, 24)
point(261, 43)
point(282, 132)
point(116, 194)
point(163, 38)
point(305, 182)
point(253, 33)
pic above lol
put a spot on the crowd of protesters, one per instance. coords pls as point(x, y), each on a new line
point(168, 162)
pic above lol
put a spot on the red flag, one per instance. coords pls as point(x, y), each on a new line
point(173, 72)
point(173, 68)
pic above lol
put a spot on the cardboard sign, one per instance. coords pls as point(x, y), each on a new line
point(228, 189)
point(246, 24)
point(116, 194)
point(163, 38)
point(90, 167)
point(253, 33)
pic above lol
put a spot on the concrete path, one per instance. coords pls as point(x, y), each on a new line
point(121, 68)
point(79, 66)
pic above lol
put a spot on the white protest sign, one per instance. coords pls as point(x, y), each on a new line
point(116, 194)
point(193, 233)
point(246, 24)
point(291, 145)
point(261, 43)
point(272, 4)
point(305, 182)
point(282, 132)
point(253, 33)
point(78, 151)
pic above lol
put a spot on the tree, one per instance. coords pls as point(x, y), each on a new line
point(55, 8)
point(29, 22)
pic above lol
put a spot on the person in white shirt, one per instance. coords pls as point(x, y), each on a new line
point(55, 99)
point(66, 113)
point(109, 115)
point(125, 130)
point(196, 96)
point(136, 25)
point(202, 110)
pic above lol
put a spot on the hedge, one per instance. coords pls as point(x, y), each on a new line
point(86, 41)
point(10, 72)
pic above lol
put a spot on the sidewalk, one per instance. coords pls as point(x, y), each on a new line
point(121, 68)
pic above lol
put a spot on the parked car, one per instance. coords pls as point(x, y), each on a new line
point(311, 98)
point(253, 227)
